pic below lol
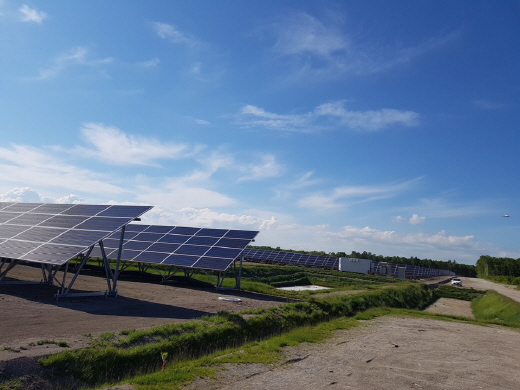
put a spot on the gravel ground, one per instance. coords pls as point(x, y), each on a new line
point(391, 353)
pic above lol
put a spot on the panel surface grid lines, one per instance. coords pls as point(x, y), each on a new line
point(55, 233)
point(183, 246)
point(292, 258)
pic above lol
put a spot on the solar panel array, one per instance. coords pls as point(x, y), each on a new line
point(188, 247)
point(291, 258)
point(55, 233)
point(411, 271)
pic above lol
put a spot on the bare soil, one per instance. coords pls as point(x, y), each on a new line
point(29, 313)
point(391, 353)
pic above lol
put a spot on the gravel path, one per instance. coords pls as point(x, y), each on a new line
point(391, 353)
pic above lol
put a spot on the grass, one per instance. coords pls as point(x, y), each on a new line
point(11, 349)
point(465, 294)
point(497, 308)
point(140, 352)
point(265, 279)
point(62, 344)
point(14, 384)
point(269, 351)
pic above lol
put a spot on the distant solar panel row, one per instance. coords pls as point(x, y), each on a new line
point(189, 247)
point(291, 258)
point(55, 233)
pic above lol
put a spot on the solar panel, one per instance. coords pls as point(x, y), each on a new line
point(291, 258)
point(55, 233)
point(202, 248)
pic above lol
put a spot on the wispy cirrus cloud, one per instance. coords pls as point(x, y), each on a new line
point(112, 145)
point(172, 34)
point(78, 56)
point(153, 63)
point(325, 49)
point(487, 105)
point(332, 115)
point(341, 197)
point(32, 15)
point(267, 168)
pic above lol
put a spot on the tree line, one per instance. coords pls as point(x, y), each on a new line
point(451, 265)
point(504, 269)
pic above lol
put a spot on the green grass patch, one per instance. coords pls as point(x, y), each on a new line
point(62, 344)
point(14, 384)
point(268, 351)
point(465, 294)
point(497, 308)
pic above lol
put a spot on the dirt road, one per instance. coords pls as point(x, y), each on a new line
point(393, 354)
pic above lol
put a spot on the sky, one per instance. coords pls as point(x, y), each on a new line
point(386, 127)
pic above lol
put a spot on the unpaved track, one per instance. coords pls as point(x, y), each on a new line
point(392, 353)
point(481, 284)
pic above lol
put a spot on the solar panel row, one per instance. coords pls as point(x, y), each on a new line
point(55, 233)
point(291, 258)
point(189, 247)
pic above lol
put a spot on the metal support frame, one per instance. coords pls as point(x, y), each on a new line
point(111, 277)
point(221, 275)
point(12, 264)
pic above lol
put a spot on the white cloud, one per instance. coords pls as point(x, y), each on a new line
point(202, 122)
point(420, 242)
point(367, 120)
point(268, 168)
point(339, 197)
point(32, 15)
point(174, 194)
point(327, 116)
point(206, 217)
point(487, 105)
point(21, 194)
point(111, 145)
point(172, 34)
point(21, 166)
point(416, 219)
point(318, 49)
point(71, 198)
point(443, 207)
point(286, 190)
point(153, 63)
point(304, 34)
point(77, 56)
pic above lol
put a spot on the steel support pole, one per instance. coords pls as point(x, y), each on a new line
point(119, 254)
point(11, 265)
point(108, 270)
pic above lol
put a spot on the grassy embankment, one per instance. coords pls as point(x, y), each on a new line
point(496, 308)
point(140, 351)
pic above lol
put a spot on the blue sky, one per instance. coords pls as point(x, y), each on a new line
point(387, 127)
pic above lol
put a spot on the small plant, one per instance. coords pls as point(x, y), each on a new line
point(11, 349)
point(62, 344)
point(164, 356)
